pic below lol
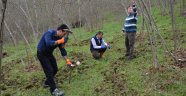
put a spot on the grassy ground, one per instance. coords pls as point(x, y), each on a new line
point(113, 75)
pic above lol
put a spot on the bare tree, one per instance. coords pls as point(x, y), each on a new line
point(155, 31)
point(4, 2)
point(14, 41)
point(26, 43)
point(175, 34)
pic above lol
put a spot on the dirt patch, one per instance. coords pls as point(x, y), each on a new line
point(141, 37)
point(6, 68)
point(78, 56)
point(181, 58)
point(66, 73)
point(10, 83)
point(120, 50)
point(5, 54)
point(81, 43)
point(63, 74)
point(32, 68)
point(154, 70)
point(114, 82)
point(161, 78)
point(34, 83)
point(111, 42)
point(85, 42)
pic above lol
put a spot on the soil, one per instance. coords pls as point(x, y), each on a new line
point(113, 80)
point(181, 58)
point(32, 68)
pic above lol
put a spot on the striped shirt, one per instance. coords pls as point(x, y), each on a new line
point(130, 24)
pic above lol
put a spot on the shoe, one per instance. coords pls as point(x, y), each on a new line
point(45, 85)
point(57, 92)
point(131, 57)
point(126, 54)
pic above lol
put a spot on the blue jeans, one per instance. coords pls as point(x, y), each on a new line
point(49, 65)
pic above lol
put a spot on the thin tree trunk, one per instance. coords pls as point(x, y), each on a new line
point(11, 35)
point(175, 35)
point(124, 6)
point(26, 41)
point(4, 2)
point(79, 13)
point(14, 41)
point(184, 5)
point(155, 59)
point(36, 19)
point(29, 20)
point(157, 32)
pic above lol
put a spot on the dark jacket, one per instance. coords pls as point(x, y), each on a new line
point(47, 43)
point(97, 43)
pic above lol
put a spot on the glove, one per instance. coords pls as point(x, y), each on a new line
point(71, 65)
point(109, 46)
point(103, 46)
point(62, 40)
point(68, 62)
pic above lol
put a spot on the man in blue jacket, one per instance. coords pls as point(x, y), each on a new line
point(130, 30)
point(98, 46)
point(48, 42)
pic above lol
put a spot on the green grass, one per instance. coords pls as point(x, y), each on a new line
point(97, 77)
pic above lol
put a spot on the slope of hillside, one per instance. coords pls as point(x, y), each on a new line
point(113, 75)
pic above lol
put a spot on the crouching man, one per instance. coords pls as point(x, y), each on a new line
point(98, 46)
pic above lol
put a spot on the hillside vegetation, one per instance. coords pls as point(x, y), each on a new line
point(113, 75)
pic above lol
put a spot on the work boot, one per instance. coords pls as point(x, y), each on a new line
point(57, 92)
point(45, 85)
point(131, 57)
point(127, 54)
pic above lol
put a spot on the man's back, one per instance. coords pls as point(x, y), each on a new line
point(47, 41)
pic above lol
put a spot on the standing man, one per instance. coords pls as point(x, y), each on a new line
point(130, 30)
point(48, 42)
point(98, 46)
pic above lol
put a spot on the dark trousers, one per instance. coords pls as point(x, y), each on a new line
point(129, 42)
point(49, 65)
point(98, 53)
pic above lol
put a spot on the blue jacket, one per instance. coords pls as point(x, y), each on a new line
point(131, 21)
point(47, 43)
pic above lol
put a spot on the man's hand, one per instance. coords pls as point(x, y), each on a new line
point(108, 46)
point(69, 63)
point(62, 40)
point(132, 1)
point(103, 46)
